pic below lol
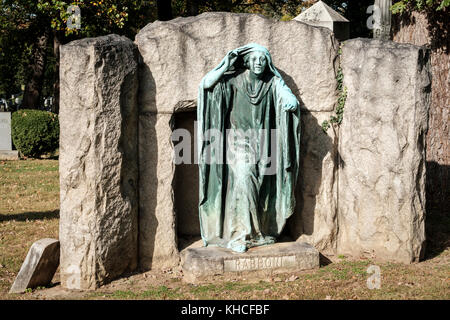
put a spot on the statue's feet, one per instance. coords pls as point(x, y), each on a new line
point(238, 246)
point(261, 241)
point(269, 240)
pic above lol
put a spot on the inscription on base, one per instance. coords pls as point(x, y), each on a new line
point(258, 263)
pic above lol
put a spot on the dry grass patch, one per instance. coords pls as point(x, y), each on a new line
point(29, 211)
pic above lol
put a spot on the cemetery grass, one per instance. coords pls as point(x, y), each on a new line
point(29, 204)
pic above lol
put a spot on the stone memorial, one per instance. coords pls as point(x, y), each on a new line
point(249, 154)
point(6, 151)
point(321, 15)
point(126, 202)
point(167, 102)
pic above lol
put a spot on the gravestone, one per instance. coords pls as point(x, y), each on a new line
point(6, 152)
point(339, 169)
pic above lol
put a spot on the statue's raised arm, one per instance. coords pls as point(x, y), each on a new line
point(214, 75)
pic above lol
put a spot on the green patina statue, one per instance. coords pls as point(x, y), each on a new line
point(246, 186)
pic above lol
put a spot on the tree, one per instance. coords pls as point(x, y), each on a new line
point(13, 51)
point(18, 22)
point(42, 26)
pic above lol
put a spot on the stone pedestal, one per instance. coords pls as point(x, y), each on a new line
point(199, 263)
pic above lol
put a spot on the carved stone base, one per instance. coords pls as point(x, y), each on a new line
point(198, 263)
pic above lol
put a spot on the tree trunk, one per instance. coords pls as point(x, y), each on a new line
point(430, 29)
point(192, 7)
point(33, 88)
point(56, 46)
point(164, 10)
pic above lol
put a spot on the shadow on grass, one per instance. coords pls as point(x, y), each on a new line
point(437, 234)
point(30, 216)
point(324, 261)
point(437, 223)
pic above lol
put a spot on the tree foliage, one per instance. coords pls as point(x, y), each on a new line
point(17, 32)
point(419, 5)
point(22, 22)
point(35, 132)
point(98, 17)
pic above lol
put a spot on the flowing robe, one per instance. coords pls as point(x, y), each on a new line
point(240, 200)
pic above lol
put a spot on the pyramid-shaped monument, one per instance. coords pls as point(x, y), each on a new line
point(321, 15)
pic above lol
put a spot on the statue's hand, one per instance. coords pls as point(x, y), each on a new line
point(290, 104)
point(230, 58)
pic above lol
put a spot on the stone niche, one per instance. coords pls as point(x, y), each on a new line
point(126, 204)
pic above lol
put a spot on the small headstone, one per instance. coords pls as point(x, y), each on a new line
point(198, 263)
point(5, 131)
point(39, 266)
point(6, 152)
point(321, 15)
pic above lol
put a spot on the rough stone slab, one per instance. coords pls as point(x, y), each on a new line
point(9, 155)
point(98, 160)
point(315, 218)
point(157, 230)
point(198, 263)
point(382, 147)
point(178, 53)
point(39, 266)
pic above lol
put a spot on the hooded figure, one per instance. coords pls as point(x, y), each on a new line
point(246, 183)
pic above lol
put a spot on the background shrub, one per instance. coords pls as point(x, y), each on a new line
point(35, 132)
